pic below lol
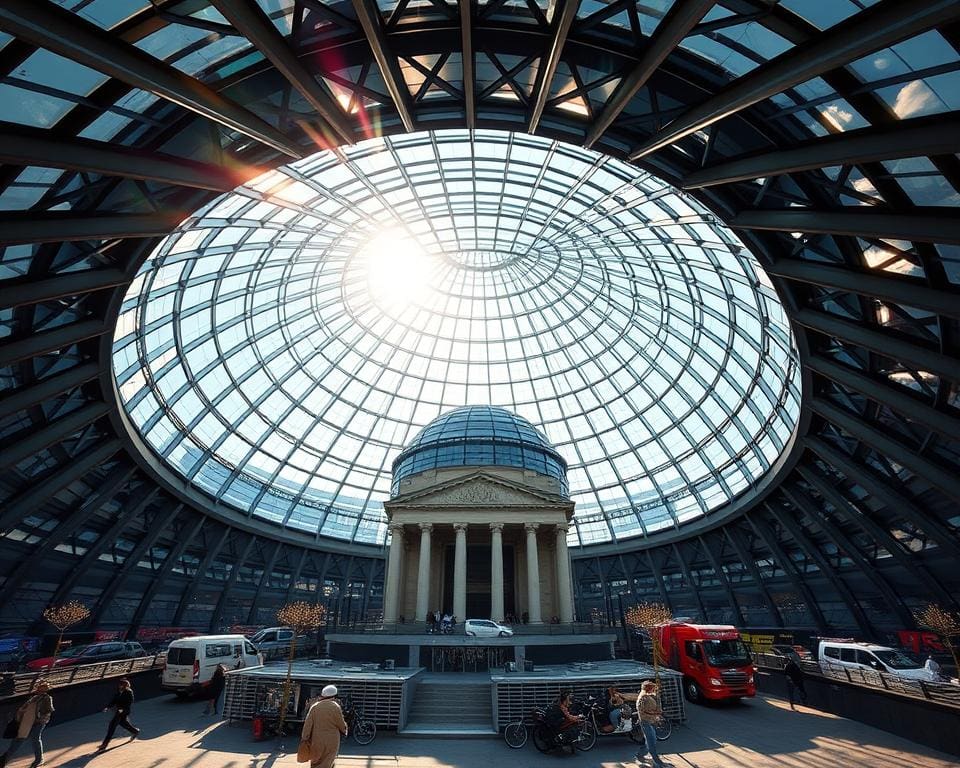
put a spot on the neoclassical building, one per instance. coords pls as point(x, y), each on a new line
point(478, 517)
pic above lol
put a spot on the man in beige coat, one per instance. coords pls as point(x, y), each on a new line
point(32, 717)
point(322, 729)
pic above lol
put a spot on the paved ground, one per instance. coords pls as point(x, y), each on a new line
point(762, 733)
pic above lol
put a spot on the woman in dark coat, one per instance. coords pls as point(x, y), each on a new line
point(121, 704)
point(215, 689)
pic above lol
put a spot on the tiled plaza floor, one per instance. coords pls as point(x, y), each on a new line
point(762, 733)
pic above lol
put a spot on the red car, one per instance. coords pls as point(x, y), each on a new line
point(89, 654)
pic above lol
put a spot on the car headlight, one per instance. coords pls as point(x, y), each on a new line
point(715, 681)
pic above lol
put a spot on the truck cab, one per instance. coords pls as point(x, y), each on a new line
point(713, 660)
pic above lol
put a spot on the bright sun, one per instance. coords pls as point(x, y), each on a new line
point(398, 269)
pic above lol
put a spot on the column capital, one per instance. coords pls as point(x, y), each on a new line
point(460, 527)
point(563, 528)
point(396, 529)
point(531, 527)
point(496, 526)
point(426, 527)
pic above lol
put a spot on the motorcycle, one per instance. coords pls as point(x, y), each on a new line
point(546, 736)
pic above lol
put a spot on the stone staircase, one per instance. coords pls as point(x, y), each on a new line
point(455, 709)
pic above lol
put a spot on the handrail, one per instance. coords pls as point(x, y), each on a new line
point(420, 628)
point(81, 673)
point(938, 692)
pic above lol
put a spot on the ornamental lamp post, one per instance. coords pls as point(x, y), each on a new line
point(301, 617)
point(63, 617)
point(651, 617)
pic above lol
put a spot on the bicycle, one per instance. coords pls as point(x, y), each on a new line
point(360, 728)
point(517, 733)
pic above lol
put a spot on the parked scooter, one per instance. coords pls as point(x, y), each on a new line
point(595, 711)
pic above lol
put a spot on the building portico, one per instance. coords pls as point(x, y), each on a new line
point(465, 539)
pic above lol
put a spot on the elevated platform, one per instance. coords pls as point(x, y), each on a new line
point(436, 652)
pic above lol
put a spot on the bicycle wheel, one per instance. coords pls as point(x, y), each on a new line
point(664, 728)
point(588, 737)
point(365, 732)
point(541, 738)
point(515, 734)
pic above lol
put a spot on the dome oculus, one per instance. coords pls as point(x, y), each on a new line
point(282, 346)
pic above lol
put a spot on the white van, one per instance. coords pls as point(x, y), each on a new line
point(192, 660)
point(879, 658)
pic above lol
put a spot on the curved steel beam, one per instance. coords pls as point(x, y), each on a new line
point(936, 135)
point(881, 26)
point(368, 13)
point(885, 344)
point(30, 395)
point(910, 291)
point(922, 225)
point(682, 17)
point(250, 20)
point(56, 29)
point(21, 145)
point(564, 12)
point(939, 477)
point(895, 501)
point(66, 226)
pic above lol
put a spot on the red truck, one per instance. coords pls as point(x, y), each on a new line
point(713, 659)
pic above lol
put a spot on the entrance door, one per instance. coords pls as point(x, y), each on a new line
point(478, 581)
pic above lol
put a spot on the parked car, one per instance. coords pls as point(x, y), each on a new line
point(879, 658)
point(89, 654)
point(485, 628)
point(191, 661)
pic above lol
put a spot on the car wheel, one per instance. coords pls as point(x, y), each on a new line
point(691, 689)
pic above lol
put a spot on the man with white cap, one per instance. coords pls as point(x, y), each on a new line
point(323, 728)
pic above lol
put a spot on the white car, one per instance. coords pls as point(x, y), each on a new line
point(867, 656)
point(485, 628)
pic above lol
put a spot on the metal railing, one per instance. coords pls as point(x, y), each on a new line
point(420, 628)
point(81, 673)
point(941, 693)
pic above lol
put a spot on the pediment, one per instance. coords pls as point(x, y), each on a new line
point(478, 490)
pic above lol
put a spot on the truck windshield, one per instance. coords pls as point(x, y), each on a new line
point(726, 653)
point(896, 660)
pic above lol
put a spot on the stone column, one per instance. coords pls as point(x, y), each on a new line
point(423, 574)
point(460, 572)
point(564, 591)
point(391, 598)
point(496, 571)
point(533, 575)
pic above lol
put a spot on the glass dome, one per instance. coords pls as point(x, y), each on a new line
point(281, 347)
point(479, 436)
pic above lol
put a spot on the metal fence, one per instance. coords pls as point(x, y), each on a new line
point(515, 699)
point(419, 628)
point(81, 673)
point(942, 693)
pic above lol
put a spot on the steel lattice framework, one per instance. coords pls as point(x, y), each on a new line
point(825, 133)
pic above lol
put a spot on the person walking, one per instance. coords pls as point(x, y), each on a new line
point(932, 669)
point(795, 681)
point(322, 729)
point(121, 704)
point(32, 717)
point(650, 712)
point(215, 689)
